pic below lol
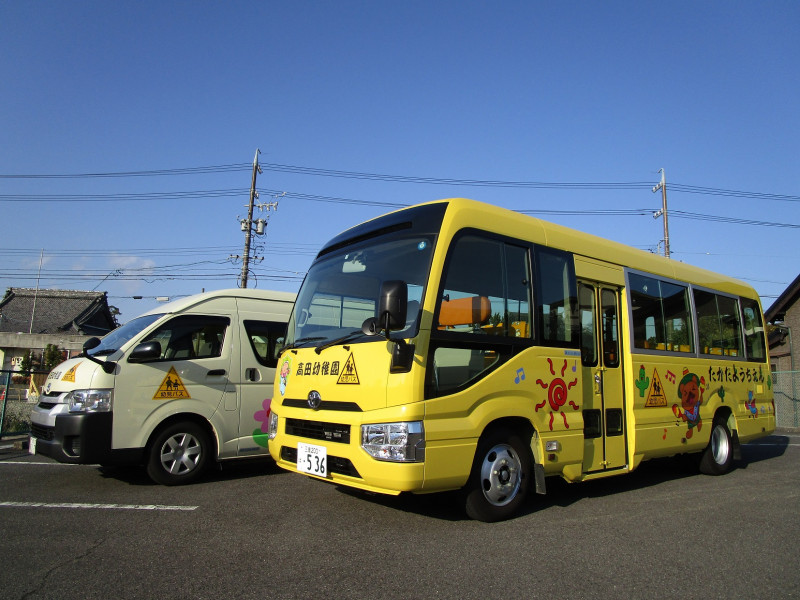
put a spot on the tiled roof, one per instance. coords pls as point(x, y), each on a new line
point(55, 311)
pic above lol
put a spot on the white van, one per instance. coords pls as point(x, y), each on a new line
point(174, 389)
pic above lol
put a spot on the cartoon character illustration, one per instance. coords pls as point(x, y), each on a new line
point(557, 393)
point(690, 391)
point(643, 382)
point(751, 405)
point(286, 368)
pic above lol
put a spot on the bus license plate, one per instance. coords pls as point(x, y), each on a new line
point(312, 459)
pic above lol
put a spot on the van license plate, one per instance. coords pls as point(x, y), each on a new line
point(312, 459)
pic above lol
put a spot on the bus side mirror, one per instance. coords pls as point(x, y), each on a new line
point(393, 305)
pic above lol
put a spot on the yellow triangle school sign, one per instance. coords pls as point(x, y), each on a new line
point(656, 396)
point(349, 375)
point(171, 388)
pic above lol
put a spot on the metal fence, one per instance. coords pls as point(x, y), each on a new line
point(19, 392)
point(786, 387)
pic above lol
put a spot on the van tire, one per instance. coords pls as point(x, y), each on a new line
point(500, 479)
point(717, 458)
point(178, 454)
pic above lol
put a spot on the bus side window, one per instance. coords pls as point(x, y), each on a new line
point(753, 331)
point(557, 314)
point(661, 317)
point(484, 309)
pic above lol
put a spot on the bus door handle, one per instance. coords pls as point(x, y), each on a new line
point(216, 373)
point(598, 381)
point(252, 374)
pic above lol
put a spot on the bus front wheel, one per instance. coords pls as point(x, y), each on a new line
point(717, 458)
point(500, 477)
point(178, 454)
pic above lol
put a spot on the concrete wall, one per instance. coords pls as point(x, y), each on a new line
point(15, 345)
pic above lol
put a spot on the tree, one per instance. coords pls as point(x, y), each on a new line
point(27, 361)
point(52, 356)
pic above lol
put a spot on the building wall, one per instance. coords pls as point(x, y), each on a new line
point(13, 346)
point(781, 356)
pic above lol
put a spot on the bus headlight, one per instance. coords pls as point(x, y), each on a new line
point(85, 401)
point(272, 426)
point(397, 442)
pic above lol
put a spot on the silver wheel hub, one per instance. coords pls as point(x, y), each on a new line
point(180, 454)
point(719, 445)
point(501, 475)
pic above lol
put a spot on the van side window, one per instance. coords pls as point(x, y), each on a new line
point(191, 337)
point(264, 337)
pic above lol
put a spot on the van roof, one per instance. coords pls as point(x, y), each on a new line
point(184, 303)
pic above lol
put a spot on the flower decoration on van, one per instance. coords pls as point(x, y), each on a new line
point(260, 435)
point(558, 393)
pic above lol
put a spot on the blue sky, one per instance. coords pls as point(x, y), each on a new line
point(559, 92)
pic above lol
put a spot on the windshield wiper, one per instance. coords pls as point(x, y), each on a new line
point(299, 342)
point(105, 352)
point(340, 340)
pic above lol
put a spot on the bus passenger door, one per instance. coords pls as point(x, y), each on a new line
point(604, 402)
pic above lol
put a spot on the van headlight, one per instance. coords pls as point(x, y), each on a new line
point(85, 401)
point(397, 442)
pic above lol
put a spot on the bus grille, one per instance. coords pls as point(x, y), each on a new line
point(317, 430)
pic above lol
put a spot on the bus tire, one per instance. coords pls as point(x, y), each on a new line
point(178, 454)
point(500, 477)
point(717, 458)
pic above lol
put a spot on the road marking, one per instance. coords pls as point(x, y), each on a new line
point(46, 464)
point(100, 506)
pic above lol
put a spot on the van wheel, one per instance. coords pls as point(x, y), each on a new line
point(500, 477)
point(178, 454)
point(717, 458)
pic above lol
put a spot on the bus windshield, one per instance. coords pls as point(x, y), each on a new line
point(341, 289)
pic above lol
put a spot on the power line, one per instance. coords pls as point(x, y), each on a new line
point(319, 172)
point(149, 173)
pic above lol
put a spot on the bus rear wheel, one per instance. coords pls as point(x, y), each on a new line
point(500, 478)
point(717, 458)
point(178, 454)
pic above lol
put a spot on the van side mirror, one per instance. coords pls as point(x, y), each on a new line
point(145, 351)
point(91, 344)
point(107, 365)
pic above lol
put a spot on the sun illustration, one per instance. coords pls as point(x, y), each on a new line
point(557, 393)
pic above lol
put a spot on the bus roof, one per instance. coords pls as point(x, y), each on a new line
point(462, 212)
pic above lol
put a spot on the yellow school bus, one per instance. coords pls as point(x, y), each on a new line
point(455, 345)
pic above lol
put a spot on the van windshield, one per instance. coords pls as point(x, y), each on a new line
point(342, 287)
point(114, 340)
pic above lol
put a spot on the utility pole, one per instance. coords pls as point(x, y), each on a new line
point(247, 225)
point(662, 185)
